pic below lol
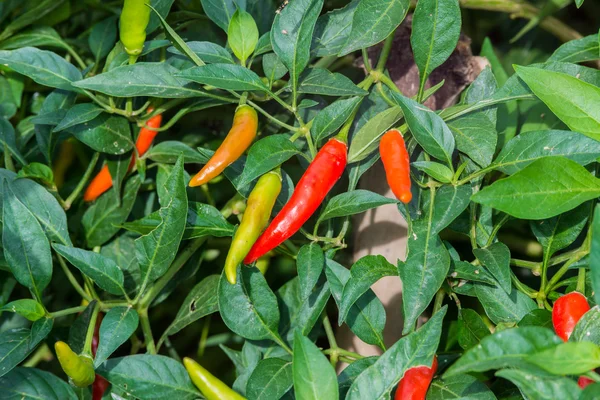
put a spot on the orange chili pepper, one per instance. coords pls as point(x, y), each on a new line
point(239, 138)
point(396, 163)
point(103, 181)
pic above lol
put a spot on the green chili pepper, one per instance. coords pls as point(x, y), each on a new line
point(80, 368)
point(132, 26)
point(255, 219)
point(210, 386)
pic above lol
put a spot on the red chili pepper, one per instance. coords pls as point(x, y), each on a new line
point(583, 382)
point(103, 181)
point(567, 311)
point(396, 163)
point(415, 382)
point(317, 181)
point(100, 384)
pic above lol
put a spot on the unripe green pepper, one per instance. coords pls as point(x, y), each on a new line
point(132, 26)
point(255, 219)
point(80, 368)
point(210, 386)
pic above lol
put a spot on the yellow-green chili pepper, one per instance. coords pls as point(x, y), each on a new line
point(132, 26)
point(80, 368)
point(210, 386)
point(255, 219)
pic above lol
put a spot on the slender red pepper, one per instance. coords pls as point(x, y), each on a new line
point(103, 181)
point(567, 311)
point(583, 382)
point(396, 163)
point(317, 181)
point(100, 384)
point(415, 382)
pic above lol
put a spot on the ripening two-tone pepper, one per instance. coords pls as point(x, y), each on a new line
point(396, 163)
point(317, 181)
point(255, 219)
point(80, 368)
point(237, 141)
point(415, 382)
point(132, 26)
point(567, 311)
point(210, 386)
point(103, 181)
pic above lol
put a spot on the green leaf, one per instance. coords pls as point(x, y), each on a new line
point(106, 133)
point(471, 329)
point(587, 328)
point(273, 67)
point(141, 79)
point(44, 67)
point(101, 269)
point(242, 35)
point(28, 308)
point(221, 11)
point(366, 317)
point(437, 171)
point(169, 150)
point(332, 117)
point(503, 307)
point(17, 344)
point(531, 146)
point(225, 76)
point(591, 392)
point(524, 195)
point(156, 250)
point(332, 30)
point(39, 171)
point(249, 308)
point(373, 21)
point(8, 140)
point(435, 32)
point(292, 33)
point(32, 14)
point(321, 81)
point(102, 220)
point(571, 358)
point(41, 36)
point(118, 325)
point(149, 377)
point(537, 317)
point(264, 44)
point(271, 379)
point(310, 263)
point(32, 383)
point(200, 301)
point(364, 273)
point(353, 202)
point(569, 98)
point(103, 37)
point(351, 372)
point(428, 128)
point(210, 53)
point(496, 258)
point(416, 349)
point(475, 136)
point(541, 388)
point(366, 140)
point(595, 255)
point(578, 50)
point(26, 248)
point(266, 154)
point(314, 377)
point(78, 114)
point(459, 387)
point(509, 348)
point(470, 272)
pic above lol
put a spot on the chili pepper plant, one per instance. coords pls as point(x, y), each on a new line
point(180, 182)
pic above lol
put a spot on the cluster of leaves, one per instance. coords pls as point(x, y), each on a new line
point(481, 175)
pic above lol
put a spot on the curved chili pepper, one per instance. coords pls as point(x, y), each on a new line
point(567, 311)
point(103, 181)
point(132, 26)
point(583, 382)
point(415, 382)
point(210, 386)
point(396, 163)
point(317, 181)
point(80, 368)
point(239, 138)
point(255, 219)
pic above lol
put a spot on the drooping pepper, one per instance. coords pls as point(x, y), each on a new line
point(415, 382)
point(103, 181)
point(210, 386)
point(100, 384)
point(396, 163)
point(567, 311)
point(80, 368)
point(317, 181)
point(239, 138)
point(132, 26)
point(255, 219)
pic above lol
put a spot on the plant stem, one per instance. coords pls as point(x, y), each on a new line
point(385, 52)
point(281, 343)
point(563, 270)
point(42, 353)
point(69, 201)
point(67, 311)
point(72, 279)
point(334, 356)
point(269, 116)
point(87, 347)
point(581, 281)
point(145, 322)
point(8, 162)
point(439, 300)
